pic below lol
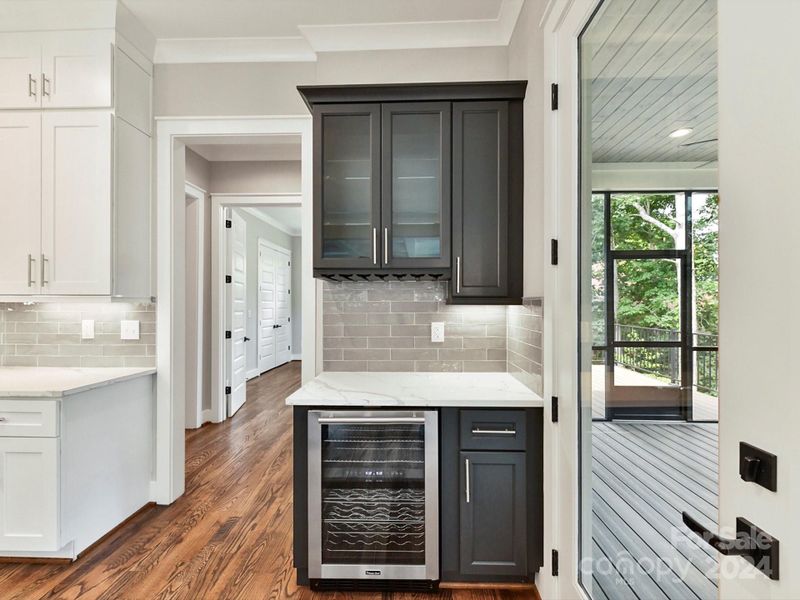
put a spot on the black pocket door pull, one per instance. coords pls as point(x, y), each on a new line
point(751, 543)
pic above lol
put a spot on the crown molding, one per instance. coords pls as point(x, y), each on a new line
point(344, 38)
point(233, 50)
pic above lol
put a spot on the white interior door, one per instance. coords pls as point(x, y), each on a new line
point(20, 70)
point(20, 201)
point(76, 203)
point(236, 312)
point(266, 308)
point(283, 308)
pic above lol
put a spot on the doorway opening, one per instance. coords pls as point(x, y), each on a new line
point(648, 299)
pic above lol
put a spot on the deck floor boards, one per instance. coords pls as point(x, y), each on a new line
point(644, 476)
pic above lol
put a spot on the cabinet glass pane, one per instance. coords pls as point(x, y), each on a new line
point(347, 186)
point(373, 494)
point(416, 186)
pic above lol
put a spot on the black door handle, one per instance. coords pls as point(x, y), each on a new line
point(246, 339)
point(751, 543)
point(277, 326)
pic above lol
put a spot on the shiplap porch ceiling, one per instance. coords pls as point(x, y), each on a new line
point(653, 70)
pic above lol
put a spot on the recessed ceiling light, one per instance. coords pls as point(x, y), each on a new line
point(679, 133)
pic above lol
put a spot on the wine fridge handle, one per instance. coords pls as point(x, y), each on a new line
point(369, 420)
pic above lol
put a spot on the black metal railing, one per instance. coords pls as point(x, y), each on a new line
point(664, 363)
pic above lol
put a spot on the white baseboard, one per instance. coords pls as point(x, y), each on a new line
point(253, 373)
point(297, 357)
point(208, 416)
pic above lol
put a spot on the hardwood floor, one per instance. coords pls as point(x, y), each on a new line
point(228, 536)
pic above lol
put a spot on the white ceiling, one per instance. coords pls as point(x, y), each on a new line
point(260, 148)
point(653, 70)
point(242, 30)
point(285, 218)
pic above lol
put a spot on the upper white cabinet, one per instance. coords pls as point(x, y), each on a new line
point(75, 166)
point(20, 201)
point(76, 203)
point(60, 69)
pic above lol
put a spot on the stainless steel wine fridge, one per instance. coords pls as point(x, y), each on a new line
point(373, 495)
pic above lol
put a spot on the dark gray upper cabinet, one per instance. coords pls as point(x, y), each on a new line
point(347, 198)
point(420, 180)
point(493, 514)
point(415, 176)
point(487, 203)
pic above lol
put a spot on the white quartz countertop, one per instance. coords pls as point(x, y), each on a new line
point(54, 382)
point(491, 390)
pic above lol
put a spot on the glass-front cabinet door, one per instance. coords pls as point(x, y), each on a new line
point(415, 227)
point(347, 186)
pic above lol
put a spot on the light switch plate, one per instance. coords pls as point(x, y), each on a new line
point(87, 329)
point(437, 332)
point(129, 330)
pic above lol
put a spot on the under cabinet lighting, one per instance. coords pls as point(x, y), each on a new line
point(679, 133)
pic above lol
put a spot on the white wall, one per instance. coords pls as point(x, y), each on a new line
point(525, 62)
point(262, 177)
point(759, 151)
point(239, 89)
point(654, 176)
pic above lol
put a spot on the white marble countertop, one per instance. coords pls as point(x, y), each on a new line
point(492, 390)
point(54, 382)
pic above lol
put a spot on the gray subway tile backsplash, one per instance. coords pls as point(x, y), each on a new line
point(386, 327)
point(49, 335)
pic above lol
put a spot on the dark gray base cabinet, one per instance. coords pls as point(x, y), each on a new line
point(491, 479)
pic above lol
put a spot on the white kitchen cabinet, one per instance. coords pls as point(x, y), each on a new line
point(76, 203)
point(20, 201)
point(28, 494)
point(56, 69)
point(20, 70)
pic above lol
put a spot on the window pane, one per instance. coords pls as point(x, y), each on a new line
point(598, 384)
point(705, 269)
point(598, 272)
point(647, 302)
point(648, 221)
point(647, 367)
point(705, 394)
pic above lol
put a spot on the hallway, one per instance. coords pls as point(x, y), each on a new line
point(228, 536)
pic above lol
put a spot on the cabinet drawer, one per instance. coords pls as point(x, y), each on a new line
point(28, 418)
point(492, 429)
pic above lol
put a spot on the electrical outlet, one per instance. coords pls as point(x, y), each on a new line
point(437, 332)
point(87, 329)
point(129, 330)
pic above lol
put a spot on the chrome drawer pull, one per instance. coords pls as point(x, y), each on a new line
point(494, 432)
point(466, 470)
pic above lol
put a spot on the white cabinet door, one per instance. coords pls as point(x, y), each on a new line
point(76, 69)
point(20, 202)
point(283, 309)
point(20, 70)
point(76, 203)
point(28, 494)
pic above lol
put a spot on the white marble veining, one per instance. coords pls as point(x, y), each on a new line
point(55, 382)
point(415, 389)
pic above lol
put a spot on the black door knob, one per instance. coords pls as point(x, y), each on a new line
point(246, 339)
point(751, 466)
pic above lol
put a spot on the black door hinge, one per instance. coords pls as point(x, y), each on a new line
point(228, 279)
point(554, 409)
point(289, 319)
point(553, 252)
point(227, 335)
point(228, 224)
point(288, 291)
point(227, 390)
point(553, 96)
point(555, 563)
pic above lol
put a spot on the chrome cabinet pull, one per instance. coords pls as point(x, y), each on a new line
point(386, 245)
point(374, 245)
point(458, 274)
point(31, 86)
point(44, 260)
point(3, 419)
point(466, 470)
point(479, 431)
point(31, 280)
point(45, 86)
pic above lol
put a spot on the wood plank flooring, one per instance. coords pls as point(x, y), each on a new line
point(643, 476)
point(228, 536)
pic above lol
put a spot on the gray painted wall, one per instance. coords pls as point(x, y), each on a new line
point(258, 177)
